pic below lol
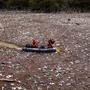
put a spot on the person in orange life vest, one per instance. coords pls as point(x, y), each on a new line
point(34, 43)
point(50, 43)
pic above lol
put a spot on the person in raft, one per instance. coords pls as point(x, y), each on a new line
point(34, 43)
point(50, 43)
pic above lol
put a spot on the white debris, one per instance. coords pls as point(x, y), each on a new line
point(57, 44)
point(60, 84)
point(14, 88)
point(51, 83)
point(39, 68)
point(77, 61)
point(9, 62)
point(45, 67)
point(19, 81)
point(51, 70)
point(9, 76)
point(0, 74)
point(57, 75)
point(48, 87)
point(86, 68)
point(72, 63)
point(12, 84)
point(62, 81)
point(26, 33)
point(19, 88)
point(58, 69)
point(35, 82)
point(1, 27)
point(68, 69)
point(3, 87)
point(39, 88)
point(69, 77)
point(68, 84)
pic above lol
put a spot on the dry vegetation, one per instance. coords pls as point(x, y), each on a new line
point(30, 71)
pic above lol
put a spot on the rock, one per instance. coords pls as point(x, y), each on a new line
point(77, 23)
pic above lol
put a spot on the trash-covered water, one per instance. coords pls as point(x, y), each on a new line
point(69, 70)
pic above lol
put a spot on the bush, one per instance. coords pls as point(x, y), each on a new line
point(45, 5)
point(20, 4)
point(80, 4)
point(7, 3)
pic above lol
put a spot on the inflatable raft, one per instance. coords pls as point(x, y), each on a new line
point(39, 49)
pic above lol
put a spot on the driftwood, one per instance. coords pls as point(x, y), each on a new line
point(9, 80)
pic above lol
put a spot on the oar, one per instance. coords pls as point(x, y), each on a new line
point(13, 46)
point(58, 50)
point(9, 45)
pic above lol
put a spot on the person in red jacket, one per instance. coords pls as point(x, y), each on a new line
point(34, 43)
point(50, 43)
